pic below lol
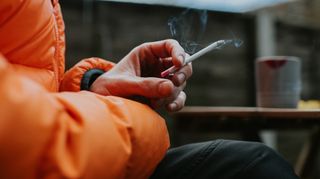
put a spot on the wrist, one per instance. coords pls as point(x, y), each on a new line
point(89, 77)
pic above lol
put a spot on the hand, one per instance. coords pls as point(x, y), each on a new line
point(139, 74)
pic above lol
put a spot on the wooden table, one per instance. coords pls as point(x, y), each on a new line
point(252, 119)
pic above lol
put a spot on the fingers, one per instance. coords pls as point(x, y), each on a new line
point(154, 87)
point(167, 62)
point(162, 92)
point(172, 100)
point(181, 76)
point(136, 75)
point(173, 106)
point(163, 49)
point(125, 86)
point(147, 86)
point(178, 103)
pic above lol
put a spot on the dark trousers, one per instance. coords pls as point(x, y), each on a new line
point(224, 159)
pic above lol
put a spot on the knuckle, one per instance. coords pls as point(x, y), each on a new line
point(183, 95)
point(179, 107)
point(144, 45)
point(173, 41)
point(175, 45)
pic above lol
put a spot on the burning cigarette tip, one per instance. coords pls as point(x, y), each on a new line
point(165, 73)
point(168, 71)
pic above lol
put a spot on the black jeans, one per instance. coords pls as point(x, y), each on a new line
point(224, 159)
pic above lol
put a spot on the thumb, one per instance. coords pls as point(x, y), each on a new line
point(152, 87)
point(125, 86)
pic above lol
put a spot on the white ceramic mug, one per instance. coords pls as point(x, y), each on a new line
point(278, 81)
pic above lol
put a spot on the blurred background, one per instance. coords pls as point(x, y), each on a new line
point(110, 29)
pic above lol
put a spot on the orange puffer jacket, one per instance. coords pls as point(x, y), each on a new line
point(46, 133)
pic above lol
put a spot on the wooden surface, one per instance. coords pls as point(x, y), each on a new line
point(250, 112)
point(231, 118)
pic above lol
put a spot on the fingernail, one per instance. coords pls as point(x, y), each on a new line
point(181, 77)
point(164, 88)
point(181, 58)
point(173, 106)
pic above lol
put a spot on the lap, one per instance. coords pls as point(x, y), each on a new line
point(223, 159)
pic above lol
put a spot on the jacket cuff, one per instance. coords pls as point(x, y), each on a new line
point(89, 77)
point(83, 74)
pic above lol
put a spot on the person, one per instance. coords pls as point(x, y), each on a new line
point(85, 123)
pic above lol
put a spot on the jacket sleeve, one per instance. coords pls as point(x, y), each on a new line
point(83, 74)
point(74, 134)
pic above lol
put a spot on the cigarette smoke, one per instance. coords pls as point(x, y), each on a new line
point(188, 28)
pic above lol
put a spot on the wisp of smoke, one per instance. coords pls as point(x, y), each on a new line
point(188, 28)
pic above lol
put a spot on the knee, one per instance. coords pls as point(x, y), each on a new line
point(253, 148)
point(243, 148)
point(258, 160)
point(261, 152)
point(250, 151)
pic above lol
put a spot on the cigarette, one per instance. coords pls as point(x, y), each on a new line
point(215, 45)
